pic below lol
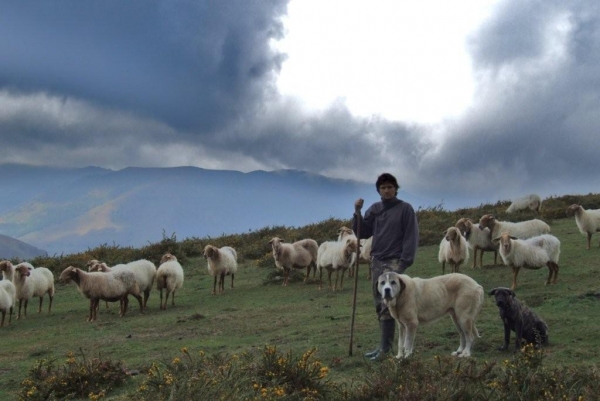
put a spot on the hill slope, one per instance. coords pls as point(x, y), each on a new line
point(66, 211)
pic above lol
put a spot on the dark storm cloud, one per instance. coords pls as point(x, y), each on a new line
point(193, 65)
point(149, 83)
point(533, 125)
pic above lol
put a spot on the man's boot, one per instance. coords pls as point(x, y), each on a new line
point(388, 327)
point(371, 354)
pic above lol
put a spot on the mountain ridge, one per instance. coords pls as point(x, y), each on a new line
point(71, 210)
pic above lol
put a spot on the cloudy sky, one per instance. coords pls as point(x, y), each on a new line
point(471, 99)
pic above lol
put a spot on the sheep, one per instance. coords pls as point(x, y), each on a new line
point(531, 202)
point(477, 239)
point(522, 230)
point(532, 253)
point(221, 262)
point(588, 221)
point(7, 269)
point(8, 294)
point(297, 255)
point(31, 283)
point(111, 286)
point(343, 233)
point(365, 253)
point(169, 277)
point(93, 262)
point(335, 256)
point(453, 249)
point(144, 270)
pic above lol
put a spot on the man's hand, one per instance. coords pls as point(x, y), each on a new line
point(358, 205)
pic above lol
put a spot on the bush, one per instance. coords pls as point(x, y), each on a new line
point(77, 378)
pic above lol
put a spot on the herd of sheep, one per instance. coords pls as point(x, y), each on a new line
point(526, 244)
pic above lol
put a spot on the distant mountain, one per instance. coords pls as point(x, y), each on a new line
point(11, 248)
point(71, 210)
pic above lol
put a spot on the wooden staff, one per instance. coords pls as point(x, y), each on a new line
point(358, 220)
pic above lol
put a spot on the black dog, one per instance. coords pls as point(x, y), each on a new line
point(520, 319)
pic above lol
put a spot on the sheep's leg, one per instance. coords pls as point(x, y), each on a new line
point(589, 235)
point(329, 277)
point(475, 249)
point(232, 276)
point(173, 298)
point(146, 296)
point(222, 283)
point(40, 307)
point(515, 274)
point(307, 273)
point(481, 258)
point(3, 315)
point(24, 308)
point(553, 277)
point(321, 279)
point(443, 267)
point(93, 306)
point(10, 315)
point(215, 285)
point(50, 304)
point(342, 281)
point(140, 301)
point(286, 273)
point(161, 299)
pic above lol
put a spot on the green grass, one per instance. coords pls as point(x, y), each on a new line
point(301, 316)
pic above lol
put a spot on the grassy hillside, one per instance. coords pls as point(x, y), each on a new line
point(259, 311)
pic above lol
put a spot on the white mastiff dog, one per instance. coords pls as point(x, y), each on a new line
point(415, 300)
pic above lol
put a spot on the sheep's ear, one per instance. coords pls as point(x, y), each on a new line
point(493, 292)
point(271, 242)
point(445, 232)
point(496, 240)
point(513, 237)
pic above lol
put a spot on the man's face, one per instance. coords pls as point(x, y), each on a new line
point(387, 190)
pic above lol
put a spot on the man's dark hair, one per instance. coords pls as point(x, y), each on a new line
point(386, 177)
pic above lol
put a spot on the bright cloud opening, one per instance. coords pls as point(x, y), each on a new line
point(401, 60)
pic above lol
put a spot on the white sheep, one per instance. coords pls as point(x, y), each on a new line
point(588, 221)
point(532, 253)
point(221, 262)
point(344, 233)
point(96, 286)
point(7, 269)
point(365, 253)
point(522, 229)
point(144, 271)
point(531, 202)
point(298, 255)
point(31, 283)
point(453, 250)
point(479, 240)
point(8, 294)
point(169, 277)
point(335, 256)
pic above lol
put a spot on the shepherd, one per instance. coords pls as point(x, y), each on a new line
point(394, 227)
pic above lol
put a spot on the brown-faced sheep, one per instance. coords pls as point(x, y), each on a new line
point(532, 253)
point(453, 250)
point(479, 240)
point(298, 255)
point(144, 271)
point(96, 286)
